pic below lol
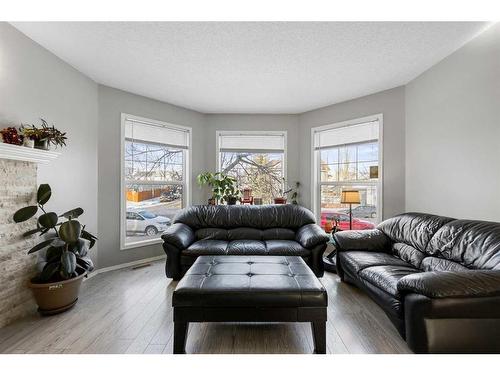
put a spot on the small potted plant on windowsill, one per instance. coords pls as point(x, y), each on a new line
point(63, 254)
point(284, 193)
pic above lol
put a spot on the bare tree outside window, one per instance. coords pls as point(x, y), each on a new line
point(261, 172)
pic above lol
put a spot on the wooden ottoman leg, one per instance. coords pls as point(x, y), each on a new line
point(180, 333)
point(319, 336)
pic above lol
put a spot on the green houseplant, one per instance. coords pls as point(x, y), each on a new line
point(223, 187)
point(63, 254)
point(288, 192)
point(44, 136)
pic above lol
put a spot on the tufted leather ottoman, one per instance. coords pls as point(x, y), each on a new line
point(250, 289)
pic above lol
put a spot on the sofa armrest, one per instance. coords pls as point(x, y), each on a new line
point(179, 235)
point(445, 284)
point(362, 240)
point(311, 235)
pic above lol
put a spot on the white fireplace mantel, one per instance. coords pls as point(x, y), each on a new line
point(22, 153)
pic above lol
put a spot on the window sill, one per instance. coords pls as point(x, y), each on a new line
point(144, 243)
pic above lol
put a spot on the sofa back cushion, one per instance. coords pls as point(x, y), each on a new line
point(287, 216)
point(472, 243)
point(408, 253)
point(244, 233)
point(413, 229)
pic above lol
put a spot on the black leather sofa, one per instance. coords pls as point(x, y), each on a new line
point(243, 230)
point(437, 279)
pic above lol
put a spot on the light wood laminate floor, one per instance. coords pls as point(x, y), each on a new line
point(129, 311)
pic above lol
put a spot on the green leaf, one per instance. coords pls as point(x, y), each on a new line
point(25, 213)
point(33, 231)
point(48, 220)
point(72, 214)
point(82, 246)
point(70, 231)
point(53, 254)
point(40, 246)
point(43, 194)
point(49, 271)
point(68, 262)
point(90, 237)
point(85, 263)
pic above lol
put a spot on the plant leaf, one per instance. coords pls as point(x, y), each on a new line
point(85, 263)
point(72, 214)
point(25, 213)
point(48, 271)
point(70, 231)
point(53, 254)
point(68, 262)
point(41, 245)
point(48, 220)
point(43, 194)
point(90, 237)
point(33, 231)
point(82, 246)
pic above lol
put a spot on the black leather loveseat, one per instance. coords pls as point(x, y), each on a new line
point(437, 278)
point(243, 230)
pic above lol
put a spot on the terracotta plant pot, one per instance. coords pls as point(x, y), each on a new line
point(54, 298)
point(280, 200)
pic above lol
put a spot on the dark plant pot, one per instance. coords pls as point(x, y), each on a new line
point(211, 201)
point(42, 144)
point(55, 298)
point(232, 201)
point(279, 200)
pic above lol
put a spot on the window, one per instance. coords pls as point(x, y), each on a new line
point(256, 159)
point(347, 156)
point(155, 175)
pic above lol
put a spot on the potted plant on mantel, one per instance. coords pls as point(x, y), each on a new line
point(63, 254)
point(43, 136)
point(223, 187)
point(283, 194)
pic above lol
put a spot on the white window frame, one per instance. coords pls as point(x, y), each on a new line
point(219, 133)
point(186, 184)
point(315, 170)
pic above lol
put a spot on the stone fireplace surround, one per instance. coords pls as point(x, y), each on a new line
point(18, 185)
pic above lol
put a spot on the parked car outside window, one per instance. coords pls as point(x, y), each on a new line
point(145, 222)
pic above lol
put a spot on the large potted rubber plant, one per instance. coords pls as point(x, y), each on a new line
point(63, 258)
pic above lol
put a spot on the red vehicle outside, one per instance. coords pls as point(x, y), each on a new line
point(357, 224)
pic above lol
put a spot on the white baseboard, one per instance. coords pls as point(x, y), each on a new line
point(125, 265)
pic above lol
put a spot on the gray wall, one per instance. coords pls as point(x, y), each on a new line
point(35, 83)
point(288, 123)
point(112, 103)
point(391, 103)
point(453, 133)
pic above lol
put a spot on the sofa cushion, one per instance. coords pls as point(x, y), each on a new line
point(207, 247)
point(246, 247)
point(278, 234)
point(387, 277)
point(358, 260)
point(440, 264)
point(408, 253)
point(472, 243)
point(244, 233)
point(211, 234)
point(285, 247)
point(414, 229)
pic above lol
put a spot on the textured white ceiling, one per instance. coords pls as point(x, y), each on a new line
point(255, 67)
